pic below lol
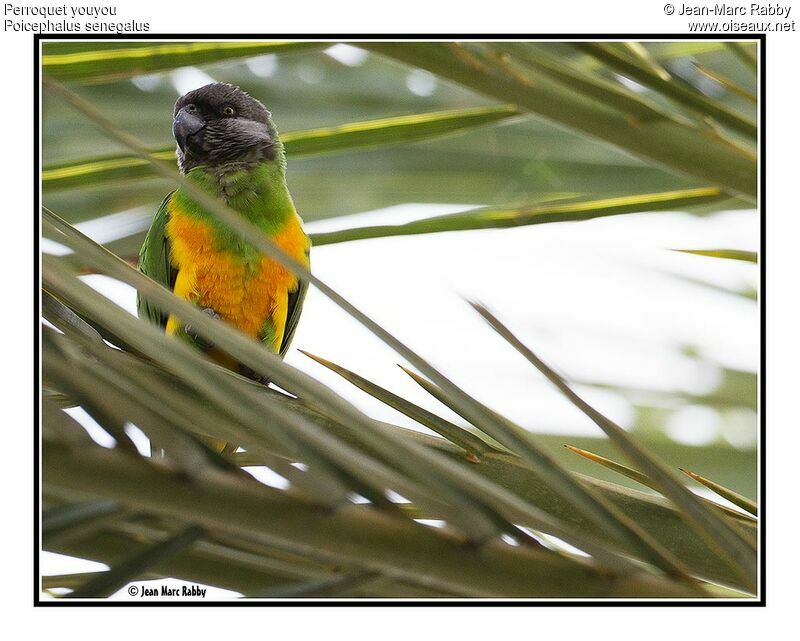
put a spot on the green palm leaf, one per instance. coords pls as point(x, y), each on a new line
point(356, 135)
point(113, 61)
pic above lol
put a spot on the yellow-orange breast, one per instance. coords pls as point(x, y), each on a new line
point(245, 293)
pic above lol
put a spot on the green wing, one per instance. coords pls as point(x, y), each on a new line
point(154, 262)
point(296, 299)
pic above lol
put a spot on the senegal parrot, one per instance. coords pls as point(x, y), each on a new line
point(228, 146)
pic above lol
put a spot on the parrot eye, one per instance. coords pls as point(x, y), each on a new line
point(227, 111)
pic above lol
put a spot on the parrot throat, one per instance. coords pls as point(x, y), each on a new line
point(257, 192)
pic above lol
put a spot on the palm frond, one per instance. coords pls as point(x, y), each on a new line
point(322, 499)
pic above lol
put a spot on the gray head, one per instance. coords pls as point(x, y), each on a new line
point(220, 124)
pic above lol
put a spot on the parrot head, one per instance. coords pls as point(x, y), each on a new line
point(219, 125)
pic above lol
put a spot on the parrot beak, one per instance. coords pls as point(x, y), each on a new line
point(186, 124)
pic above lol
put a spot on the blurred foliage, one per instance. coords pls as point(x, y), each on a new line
point(523, 132)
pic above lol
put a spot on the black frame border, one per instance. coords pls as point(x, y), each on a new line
point(762, 264)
